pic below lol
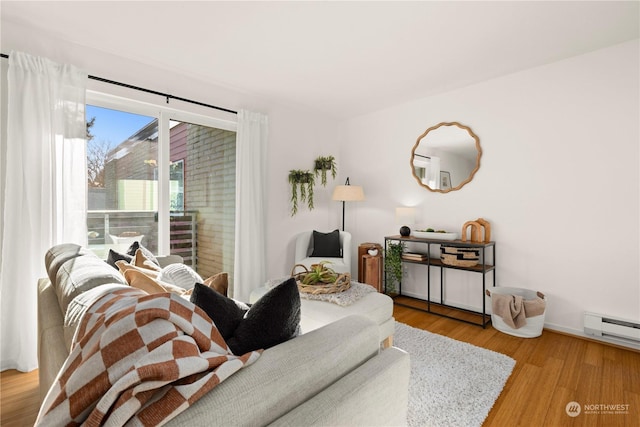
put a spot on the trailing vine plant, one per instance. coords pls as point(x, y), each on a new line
point(306, 181)
point(324, 164)
point(393, 265)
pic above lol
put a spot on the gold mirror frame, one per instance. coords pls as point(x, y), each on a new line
point(465, 181)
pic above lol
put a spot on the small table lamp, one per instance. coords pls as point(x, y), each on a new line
point(405, 217)
point(347, 193)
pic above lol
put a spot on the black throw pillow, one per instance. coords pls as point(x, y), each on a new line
point(117, 256)
point(326, 244)
point(225, 312)
point(273, 319)
point(146, 252)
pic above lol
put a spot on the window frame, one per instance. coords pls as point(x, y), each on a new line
point(164, 114)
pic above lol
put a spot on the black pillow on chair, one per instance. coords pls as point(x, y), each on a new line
point(326, 244)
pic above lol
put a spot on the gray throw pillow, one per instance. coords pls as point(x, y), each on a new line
point(180, 275)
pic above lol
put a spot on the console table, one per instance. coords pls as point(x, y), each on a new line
point(483, 268)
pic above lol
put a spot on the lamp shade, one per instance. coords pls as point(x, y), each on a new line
point(348, 193)
point(405, 216)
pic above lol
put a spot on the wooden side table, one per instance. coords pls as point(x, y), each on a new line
point(370, 266)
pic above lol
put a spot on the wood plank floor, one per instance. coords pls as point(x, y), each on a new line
point(20, 398)
point(551, 371)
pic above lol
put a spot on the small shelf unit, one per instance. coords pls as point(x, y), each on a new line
point(485, 266)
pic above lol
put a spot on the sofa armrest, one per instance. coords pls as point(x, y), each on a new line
point(52, 351)
point(375, 394)
point(287, 375)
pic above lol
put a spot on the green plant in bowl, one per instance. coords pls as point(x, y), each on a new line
point(320, 273)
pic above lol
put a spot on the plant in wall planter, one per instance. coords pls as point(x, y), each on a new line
point(393, 265)
point(324, 164)
point(305, 180)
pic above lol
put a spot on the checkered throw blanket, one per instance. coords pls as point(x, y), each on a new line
point(138, 359)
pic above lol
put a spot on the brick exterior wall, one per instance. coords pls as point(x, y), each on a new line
point(134, 165)
point(210, 183)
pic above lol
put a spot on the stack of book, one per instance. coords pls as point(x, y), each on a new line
point(415, 256)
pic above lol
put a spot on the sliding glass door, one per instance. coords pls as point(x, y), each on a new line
point(202, 188)
point(122, 179)
point(165, 179)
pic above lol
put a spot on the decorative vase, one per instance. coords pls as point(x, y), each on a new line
point(405, 231)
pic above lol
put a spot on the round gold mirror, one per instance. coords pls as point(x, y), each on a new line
point(446, 157)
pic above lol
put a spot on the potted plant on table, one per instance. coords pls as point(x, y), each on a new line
point(393, 265)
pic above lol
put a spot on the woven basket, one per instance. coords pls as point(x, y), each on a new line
point(459, 256)
point(342, 283)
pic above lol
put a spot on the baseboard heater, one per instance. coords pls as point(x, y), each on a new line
point(600, 325)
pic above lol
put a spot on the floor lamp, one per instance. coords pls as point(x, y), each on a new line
point(347, 193)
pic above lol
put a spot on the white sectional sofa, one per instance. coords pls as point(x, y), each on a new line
point(335, 374)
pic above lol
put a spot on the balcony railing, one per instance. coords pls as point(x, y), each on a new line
point(182, 229)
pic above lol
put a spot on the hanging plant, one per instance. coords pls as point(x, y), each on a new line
point(306, 181)
point(393, 265)
point(324, 164)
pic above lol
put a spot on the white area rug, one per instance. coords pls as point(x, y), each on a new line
point(452, 383)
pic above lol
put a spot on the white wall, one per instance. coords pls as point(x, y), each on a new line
point(296, 136)
point(558, 181)
point(295, 146)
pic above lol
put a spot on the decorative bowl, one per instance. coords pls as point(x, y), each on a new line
point(435, 236)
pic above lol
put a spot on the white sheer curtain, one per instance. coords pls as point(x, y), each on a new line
point(251, 161)
point(43, 159)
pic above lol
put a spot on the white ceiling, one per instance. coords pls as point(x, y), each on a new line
point(340, 58)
